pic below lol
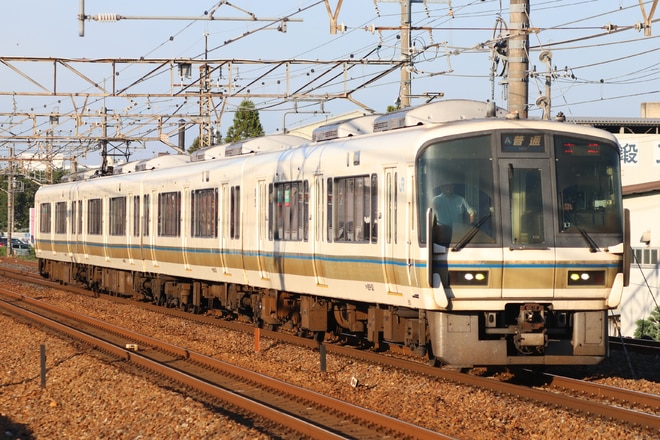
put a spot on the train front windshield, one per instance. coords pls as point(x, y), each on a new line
point(521, 189)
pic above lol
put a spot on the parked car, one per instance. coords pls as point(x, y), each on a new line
point(19, 247)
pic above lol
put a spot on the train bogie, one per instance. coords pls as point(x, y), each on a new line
point(483, 241)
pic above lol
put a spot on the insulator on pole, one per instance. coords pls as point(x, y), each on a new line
point(106, 16)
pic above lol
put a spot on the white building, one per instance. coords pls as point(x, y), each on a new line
point(640, 164)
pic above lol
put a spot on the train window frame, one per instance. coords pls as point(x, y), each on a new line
point(45, 218)
point(117, 216)
point(356, 205)
point(60, 217)
point(204, 213)
point(94, 216)
point(169, 214)
point(289, 210)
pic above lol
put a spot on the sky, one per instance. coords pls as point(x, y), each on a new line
point(594, 72)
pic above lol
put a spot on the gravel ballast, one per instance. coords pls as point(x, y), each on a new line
point(87, 397)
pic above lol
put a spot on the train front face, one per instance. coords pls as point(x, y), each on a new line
point(527, 227)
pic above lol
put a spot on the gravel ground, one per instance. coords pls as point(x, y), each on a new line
point(88, 398)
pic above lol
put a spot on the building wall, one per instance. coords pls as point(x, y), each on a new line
point(641, 164)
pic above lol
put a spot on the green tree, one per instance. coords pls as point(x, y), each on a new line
point(649, 327)
point(23, 200)
point(195, 145)
point(246, 123)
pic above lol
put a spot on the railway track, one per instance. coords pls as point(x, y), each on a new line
point(587, 397)
point(304, 412)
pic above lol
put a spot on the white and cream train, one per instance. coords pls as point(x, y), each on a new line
point(349, 233)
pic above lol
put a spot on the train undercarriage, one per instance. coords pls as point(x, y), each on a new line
point(369, 325)
point(523, 334)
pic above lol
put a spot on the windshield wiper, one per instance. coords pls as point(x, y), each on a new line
point(593, 247)
point(469, 235)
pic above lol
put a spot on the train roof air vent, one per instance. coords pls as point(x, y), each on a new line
point(437, 112)
point(344, 128)
point(262, 144)
point(164, 161)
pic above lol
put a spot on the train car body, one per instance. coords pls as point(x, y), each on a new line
point(518, 265)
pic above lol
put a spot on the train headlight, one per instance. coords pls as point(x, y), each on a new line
point(586, 278)
point(468, 278)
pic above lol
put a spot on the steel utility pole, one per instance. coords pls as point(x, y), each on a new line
point(404, 93)
point(518, 57)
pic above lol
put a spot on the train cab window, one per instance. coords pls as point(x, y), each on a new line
point(117, 216)
point(60, 218)
point(204, 213)
point(94, 216)
point(44, 218)
point(169, 214)
point(455, 180)
point(354, 211)
point(588, 186)
point(290, 211)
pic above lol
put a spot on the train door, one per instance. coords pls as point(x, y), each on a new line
point(390, 232)
point(153, 228)
point(186, 241)
point(130, 231)
point(528, 240)
point(318, 215)
point(264, 246)
point(224, 226)
point(83, 233)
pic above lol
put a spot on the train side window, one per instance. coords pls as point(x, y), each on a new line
point(355, 209)
point(146, 199)
point(44, 218)
point(204, 213)
point(169, 214)
point(235, 212)
point(60, 218)
point(94, 216)
point(136, 216)
point(290, 211)
point(117, 220)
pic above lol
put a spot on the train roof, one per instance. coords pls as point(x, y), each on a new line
point(262, 144)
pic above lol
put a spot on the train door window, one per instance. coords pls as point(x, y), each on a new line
point(329, 214)
point(44, 218)
point(74, 216)
point(355, 209)
point(526, 201)
point(169, 214)
point(391, 207)
point(60, 218)
point(145, 216)
point(204, 213)
point(235, 212)
point(290, 210)
point(80, 217)
point(373, 217)
point(117, 213)
point(94, 216)
point(136, 216)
